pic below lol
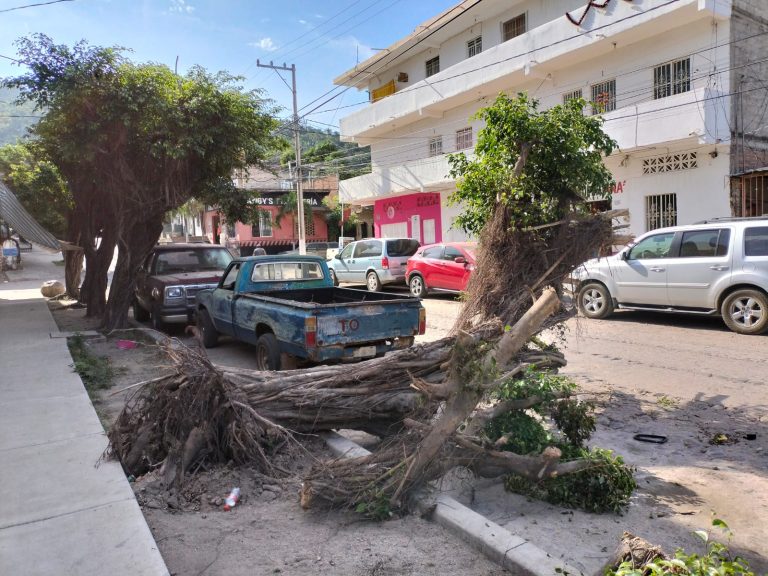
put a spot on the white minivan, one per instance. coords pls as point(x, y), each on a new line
point(715, 267)
point(375, 261)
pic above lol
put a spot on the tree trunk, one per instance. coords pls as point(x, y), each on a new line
point(135, 243)
point(73, 269)
point(97, 261)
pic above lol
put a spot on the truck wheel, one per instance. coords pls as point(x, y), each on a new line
point(746, 312)
point(595, 301)
point(139, 314)
point(373, 282)
point(207, 331)
point(333, 277)
point(418, 288)
point(267, 352)
point(157, 322)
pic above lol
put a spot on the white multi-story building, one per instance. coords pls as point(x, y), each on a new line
point(682, 86)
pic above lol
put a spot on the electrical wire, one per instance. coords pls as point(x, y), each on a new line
point(34, 5)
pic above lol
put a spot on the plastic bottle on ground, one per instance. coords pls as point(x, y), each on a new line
point(232, 499)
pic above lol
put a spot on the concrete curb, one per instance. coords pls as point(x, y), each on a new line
point(496, 542)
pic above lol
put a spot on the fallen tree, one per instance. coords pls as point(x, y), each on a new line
point(430, 403)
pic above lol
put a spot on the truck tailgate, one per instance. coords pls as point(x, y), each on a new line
point(357, 324)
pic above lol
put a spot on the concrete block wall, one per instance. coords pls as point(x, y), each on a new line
point(749, 84)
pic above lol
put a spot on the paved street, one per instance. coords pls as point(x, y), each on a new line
point(688, 378)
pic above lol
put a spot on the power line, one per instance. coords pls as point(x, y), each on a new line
point(33, 5)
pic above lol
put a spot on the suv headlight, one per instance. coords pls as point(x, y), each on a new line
point(174, 292)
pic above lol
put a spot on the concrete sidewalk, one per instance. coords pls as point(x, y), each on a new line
point(62, 510)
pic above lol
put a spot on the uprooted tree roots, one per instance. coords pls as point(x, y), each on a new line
point(423, 400)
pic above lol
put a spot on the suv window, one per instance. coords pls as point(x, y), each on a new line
point(433, 252)
point(367, 249)
point(756, 241)
point(402, 247)
point(698, 243)
point(656, 246)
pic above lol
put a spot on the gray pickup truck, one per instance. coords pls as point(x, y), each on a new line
point(288, 304)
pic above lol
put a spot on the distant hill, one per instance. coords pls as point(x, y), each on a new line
point(14, 120)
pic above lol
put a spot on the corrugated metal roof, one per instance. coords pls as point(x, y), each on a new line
point(20, 220)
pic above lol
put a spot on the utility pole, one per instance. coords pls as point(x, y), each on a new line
point(297, 145)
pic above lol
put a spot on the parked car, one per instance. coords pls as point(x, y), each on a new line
point(289, 305)
point(715, 267)
point(375, 261)
point(445, 267)
point(170, 278)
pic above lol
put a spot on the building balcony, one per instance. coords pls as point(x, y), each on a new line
point(541, 51)
point(423, 175)
point(702, 114)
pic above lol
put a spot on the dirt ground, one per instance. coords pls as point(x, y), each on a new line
point(680, 484)
point(267, 532)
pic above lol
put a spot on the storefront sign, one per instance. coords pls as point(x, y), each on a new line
point(618, 187)
point(590, 5)
point(311, 198)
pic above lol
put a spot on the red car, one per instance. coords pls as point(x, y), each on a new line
point(445, 266)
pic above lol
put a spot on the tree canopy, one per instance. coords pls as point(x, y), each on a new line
point(558, 154)
point(37, 184)
point(134, 141)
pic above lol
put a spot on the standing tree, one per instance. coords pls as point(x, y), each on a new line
point(41, 189)
point(135, 141)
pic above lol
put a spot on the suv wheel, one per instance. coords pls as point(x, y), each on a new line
point(139, 314)
point(267, 352)
point(373, 282)
point(417, 286)
point(595, 301)
point(746, 312)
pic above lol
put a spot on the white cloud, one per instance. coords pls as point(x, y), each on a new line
point(265, 44)
point(181, 7)
point(302, 21)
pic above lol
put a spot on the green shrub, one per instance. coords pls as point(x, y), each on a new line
point(604, 487)
point(575, 420)
point(96, 372)
point(526, 434)
point(716, 560)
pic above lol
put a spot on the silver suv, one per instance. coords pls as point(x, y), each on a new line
point(716, 267)
point(375, 261)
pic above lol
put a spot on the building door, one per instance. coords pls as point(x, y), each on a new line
point(429, 231)
point(416, 227)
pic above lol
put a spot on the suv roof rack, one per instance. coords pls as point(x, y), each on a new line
point(731, 219)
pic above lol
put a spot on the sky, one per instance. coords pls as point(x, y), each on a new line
point(322, 38)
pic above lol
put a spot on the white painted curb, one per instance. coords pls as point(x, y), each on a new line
point(496, 542)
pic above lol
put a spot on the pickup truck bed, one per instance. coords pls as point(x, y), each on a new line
point(305, 316)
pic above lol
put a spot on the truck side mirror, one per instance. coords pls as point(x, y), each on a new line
point(338, 256)
point(625, 255)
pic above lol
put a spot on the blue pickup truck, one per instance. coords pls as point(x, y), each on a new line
point(288, 304)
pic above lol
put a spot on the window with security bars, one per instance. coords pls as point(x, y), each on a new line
point(670, 163)
point(436, 146)
point(464, 138)
point(754, 195)
point(604, 97)
point(512, 28)
point(660, 211)
point(263, 226)
point(433, 65)
point(573, 95)
point(672, 78)
point(474, 46)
